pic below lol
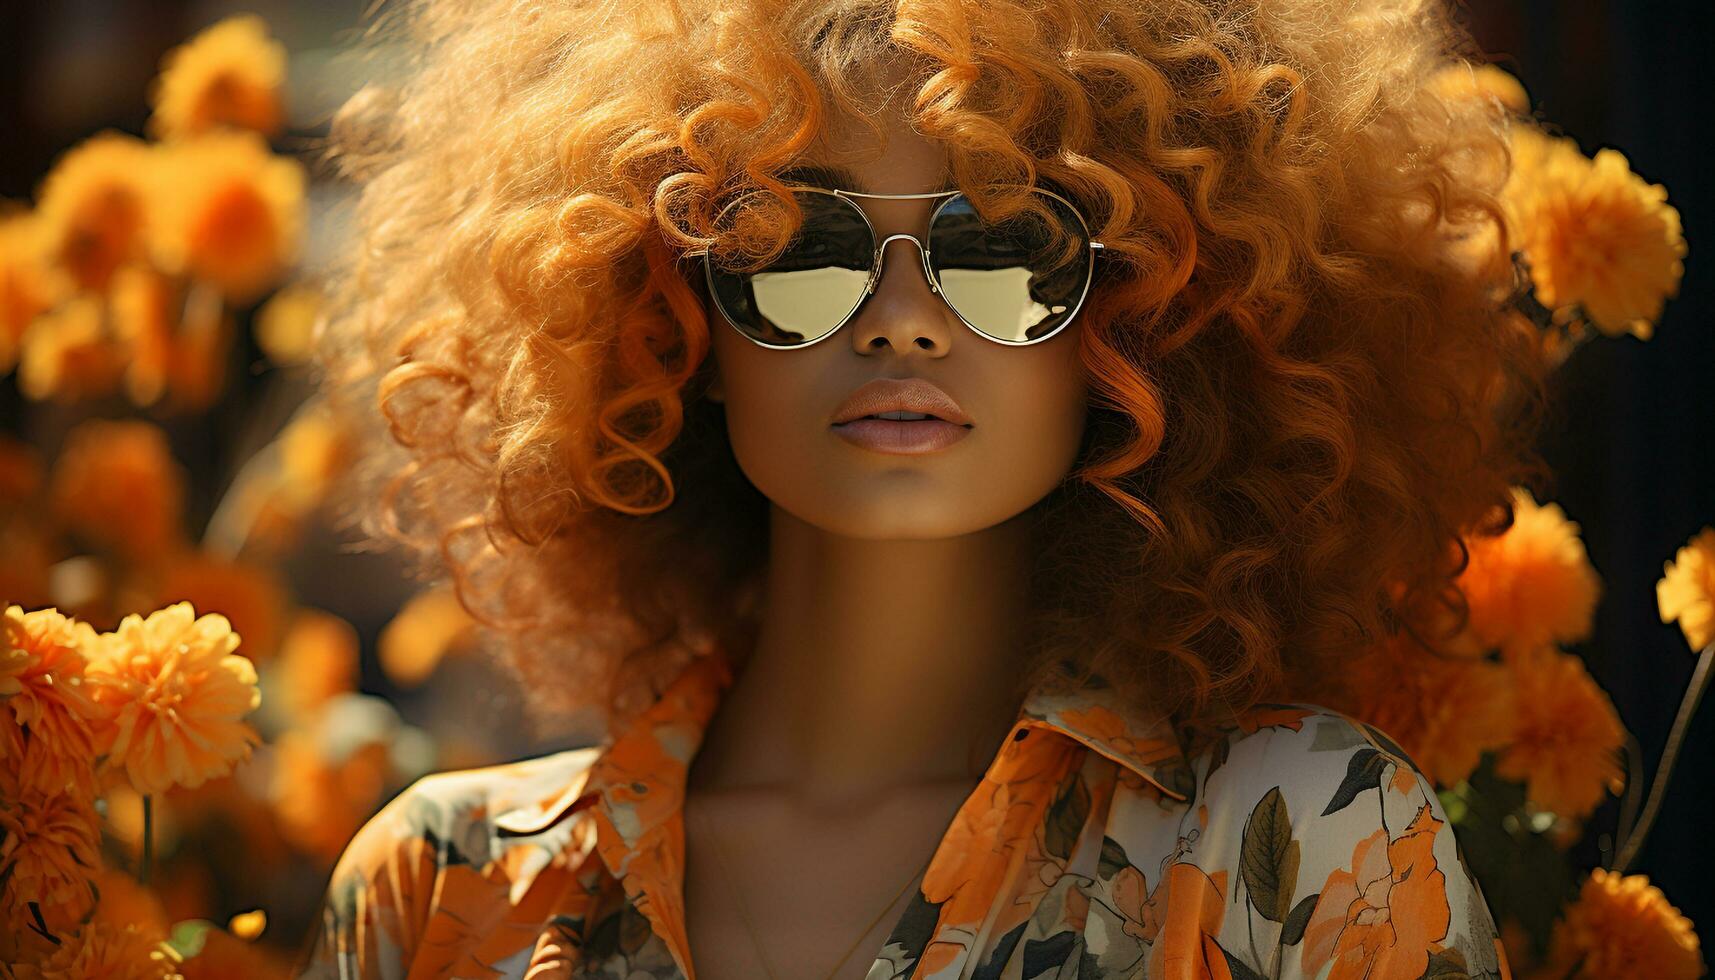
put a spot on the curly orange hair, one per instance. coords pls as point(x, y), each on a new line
point(1303, 394)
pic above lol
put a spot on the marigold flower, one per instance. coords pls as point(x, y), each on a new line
point(177, 338)
point(1465, 80)
point(29, 283)
point(172, 696)
point(1595, 233)
point(1623, 926)
point(42, 664)
point(1686, 591)
point(109, 950)
point(50, 845)
point(116, 483)
point(420, 634)
point(230, 74)
point(68, 354)
point(96, 202)
point(233, 215)
point(1445, 711)
point(1566, 745)
point(1532, 584)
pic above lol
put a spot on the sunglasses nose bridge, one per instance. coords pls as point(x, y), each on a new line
point(881, 254)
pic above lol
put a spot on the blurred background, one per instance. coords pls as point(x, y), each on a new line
point(1630, 439)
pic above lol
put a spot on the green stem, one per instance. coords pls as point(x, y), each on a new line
point(148, 837)
point(1669, 754)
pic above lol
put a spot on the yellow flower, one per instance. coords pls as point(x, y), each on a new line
point(285, 324)
point(49, 845)
point(1686, 591)
point(1445, 711)
point(29, 283)
point(42, 664)
point(116, 483)
point(1623, 926)
point(67, 354)
point(1465, 80)
point(172, 696)
point(1533, 583)
point(231, 74)
point(1566, 743)
point(1595, 234)
point(95, 202)
point(233, 214)
point(420, 634)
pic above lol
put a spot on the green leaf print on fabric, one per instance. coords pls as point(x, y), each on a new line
point(1363, 771)
point(1292, 931)
point(1268, 860)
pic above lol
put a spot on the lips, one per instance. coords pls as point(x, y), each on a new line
point(916, 395)
point(858, 419)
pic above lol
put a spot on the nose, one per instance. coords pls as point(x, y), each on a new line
point(902, 309)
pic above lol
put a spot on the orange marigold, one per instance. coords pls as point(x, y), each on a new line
point(1533, 583)
point(68, 355)
point(108, 950)
point(1595, 233)
point(1622, 926)
point(1566, 747)
point(96, 203)
point(1444, 711)
point(1686, 591)
point(49, 849)
point(230, 74)
point(42, 661)
point(172, 696)
point(233, 213)
point(116, 483)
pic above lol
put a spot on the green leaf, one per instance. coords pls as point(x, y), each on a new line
point(1299, 920)
point(1363, 771)
point(1067, 815)
point(1268, 858)
point(187, 936)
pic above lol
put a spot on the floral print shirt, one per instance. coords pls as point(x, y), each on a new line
point(1302, 845)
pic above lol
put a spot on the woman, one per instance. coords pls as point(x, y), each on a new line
point(1202, 308)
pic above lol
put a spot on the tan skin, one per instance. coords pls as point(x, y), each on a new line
point(879, 686)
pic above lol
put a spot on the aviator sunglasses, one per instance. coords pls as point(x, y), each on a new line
point(1016, 281)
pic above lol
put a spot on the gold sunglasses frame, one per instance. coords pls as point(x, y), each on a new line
point(923, 252)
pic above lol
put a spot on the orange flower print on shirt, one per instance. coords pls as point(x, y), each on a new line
point(1382, 919)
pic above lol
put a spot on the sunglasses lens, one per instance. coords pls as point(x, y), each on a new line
point(814, 284)
point(1016, 279)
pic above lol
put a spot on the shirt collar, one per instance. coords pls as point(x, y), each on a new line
point(654, 751)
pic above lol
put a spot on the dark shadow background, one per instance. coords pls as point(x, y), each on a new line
point(1632, 438)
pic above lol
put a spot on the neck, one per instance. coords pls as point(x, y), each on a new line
point(877, 664)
